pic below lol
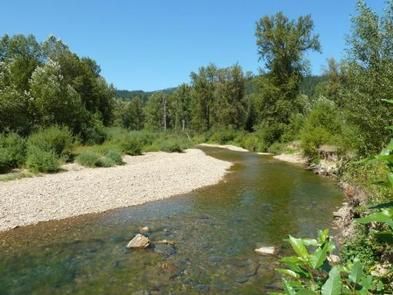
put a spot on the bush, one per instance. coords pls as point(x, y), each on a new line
point(223, 136)
point(56, 140)
point(312, 138)
point(88, 159)
point(250, 142)
point(131, 145)
point(114, 156)
point(171, 146)
point(276, 148)
point(12, 152)
point(105, 162)
point(39, 160)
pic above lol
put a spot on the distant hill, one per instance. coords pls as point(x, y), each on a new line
point(307, 87)
point(131, 94)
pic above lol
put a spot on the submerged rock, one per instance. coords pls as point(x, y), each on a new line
point(138, 242)
point(165, 249)
point(266, 250)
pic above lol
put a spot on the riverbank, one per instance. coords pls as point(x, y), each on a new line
point(142, 179)
point(225, 146)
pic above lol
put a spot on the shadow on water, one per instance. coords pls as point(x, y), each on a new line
point(215, 228)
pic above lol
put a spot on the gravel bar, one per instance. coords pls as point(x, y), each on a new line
point(153, 176)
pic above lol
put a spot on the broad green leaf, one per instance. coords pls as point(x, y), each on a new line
point(333, 285)
point(310, 242)
point(319, 256)
point(356, 272)
point(288, 288)
point(298, 247)
point(388, 100)
point(323, 236)
point(288, 272)
point(366, 283)
point(384, 216)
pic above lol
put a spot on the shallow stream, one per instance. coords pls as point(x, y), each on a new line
point(216, 230)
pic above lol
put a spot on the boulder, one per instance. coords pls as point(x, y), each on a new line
point(266, 250)
point(138, 242)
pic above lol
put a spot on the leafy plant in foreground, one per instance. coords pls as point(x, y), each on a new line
point(314, 271)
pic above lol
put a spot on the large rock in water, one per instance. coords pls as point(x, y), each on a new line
point(138, 242)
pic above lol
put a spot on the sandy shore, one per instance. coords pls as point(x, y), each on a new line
point(295, 158)
point(79, 191)
point(225, 146)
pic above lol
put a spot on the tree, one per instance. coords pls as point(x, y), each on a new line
point(181, 106)
point(229, 103)
point(369, 76)
point(133, 117)
point(155, 111)
point(203, 84)
point(282, 44)
point(55, 101)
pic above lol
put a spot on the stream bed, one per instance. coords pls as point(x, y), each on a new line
point(215, 229)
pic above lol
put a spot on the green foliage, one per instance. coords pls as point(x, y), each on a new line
point(133, 116)
point(223, 136)
point(281, 45)
point(12, 152)
point(115, 157)
point(131, 145)
point(56, 140)
point(105, 162)
point(43, 84)
point(39, 160)
point(368, 76)
point(88, 159)
point(311, 272)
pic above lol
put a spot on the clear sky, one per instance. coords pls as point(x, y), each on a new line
point(153, 44)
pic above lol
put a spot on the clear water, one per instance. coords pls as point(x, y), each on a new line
point(216, 230)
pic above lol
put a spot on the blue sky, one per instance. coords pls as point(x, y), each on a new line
point(152, 44)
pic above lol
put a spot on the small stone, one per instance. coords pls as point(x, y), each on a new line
point(266, 250)
point(144, 229)
point(334, 259)
point(167, 242)
point(139, 241)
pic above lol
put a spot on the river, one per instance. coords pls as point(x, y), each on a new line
point(215, 230)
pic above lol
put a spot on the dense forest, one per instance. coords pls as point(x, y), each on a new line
point(55, 105)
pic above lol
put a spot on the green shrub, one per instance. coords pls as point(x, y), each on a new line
point(276, 148)
point(131, 145)
point(93, 135)
point(250, 142)
point(88, 159)
point(39, 160)
point(12, 151)
point(223, 136)
point(171, 146)
point(105, 162)
point(57, 140)
point(114, 156)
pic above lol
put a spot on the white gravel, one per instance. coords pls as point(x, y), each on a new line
point(225, 146)
point(150, 177)
point(296, 158)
